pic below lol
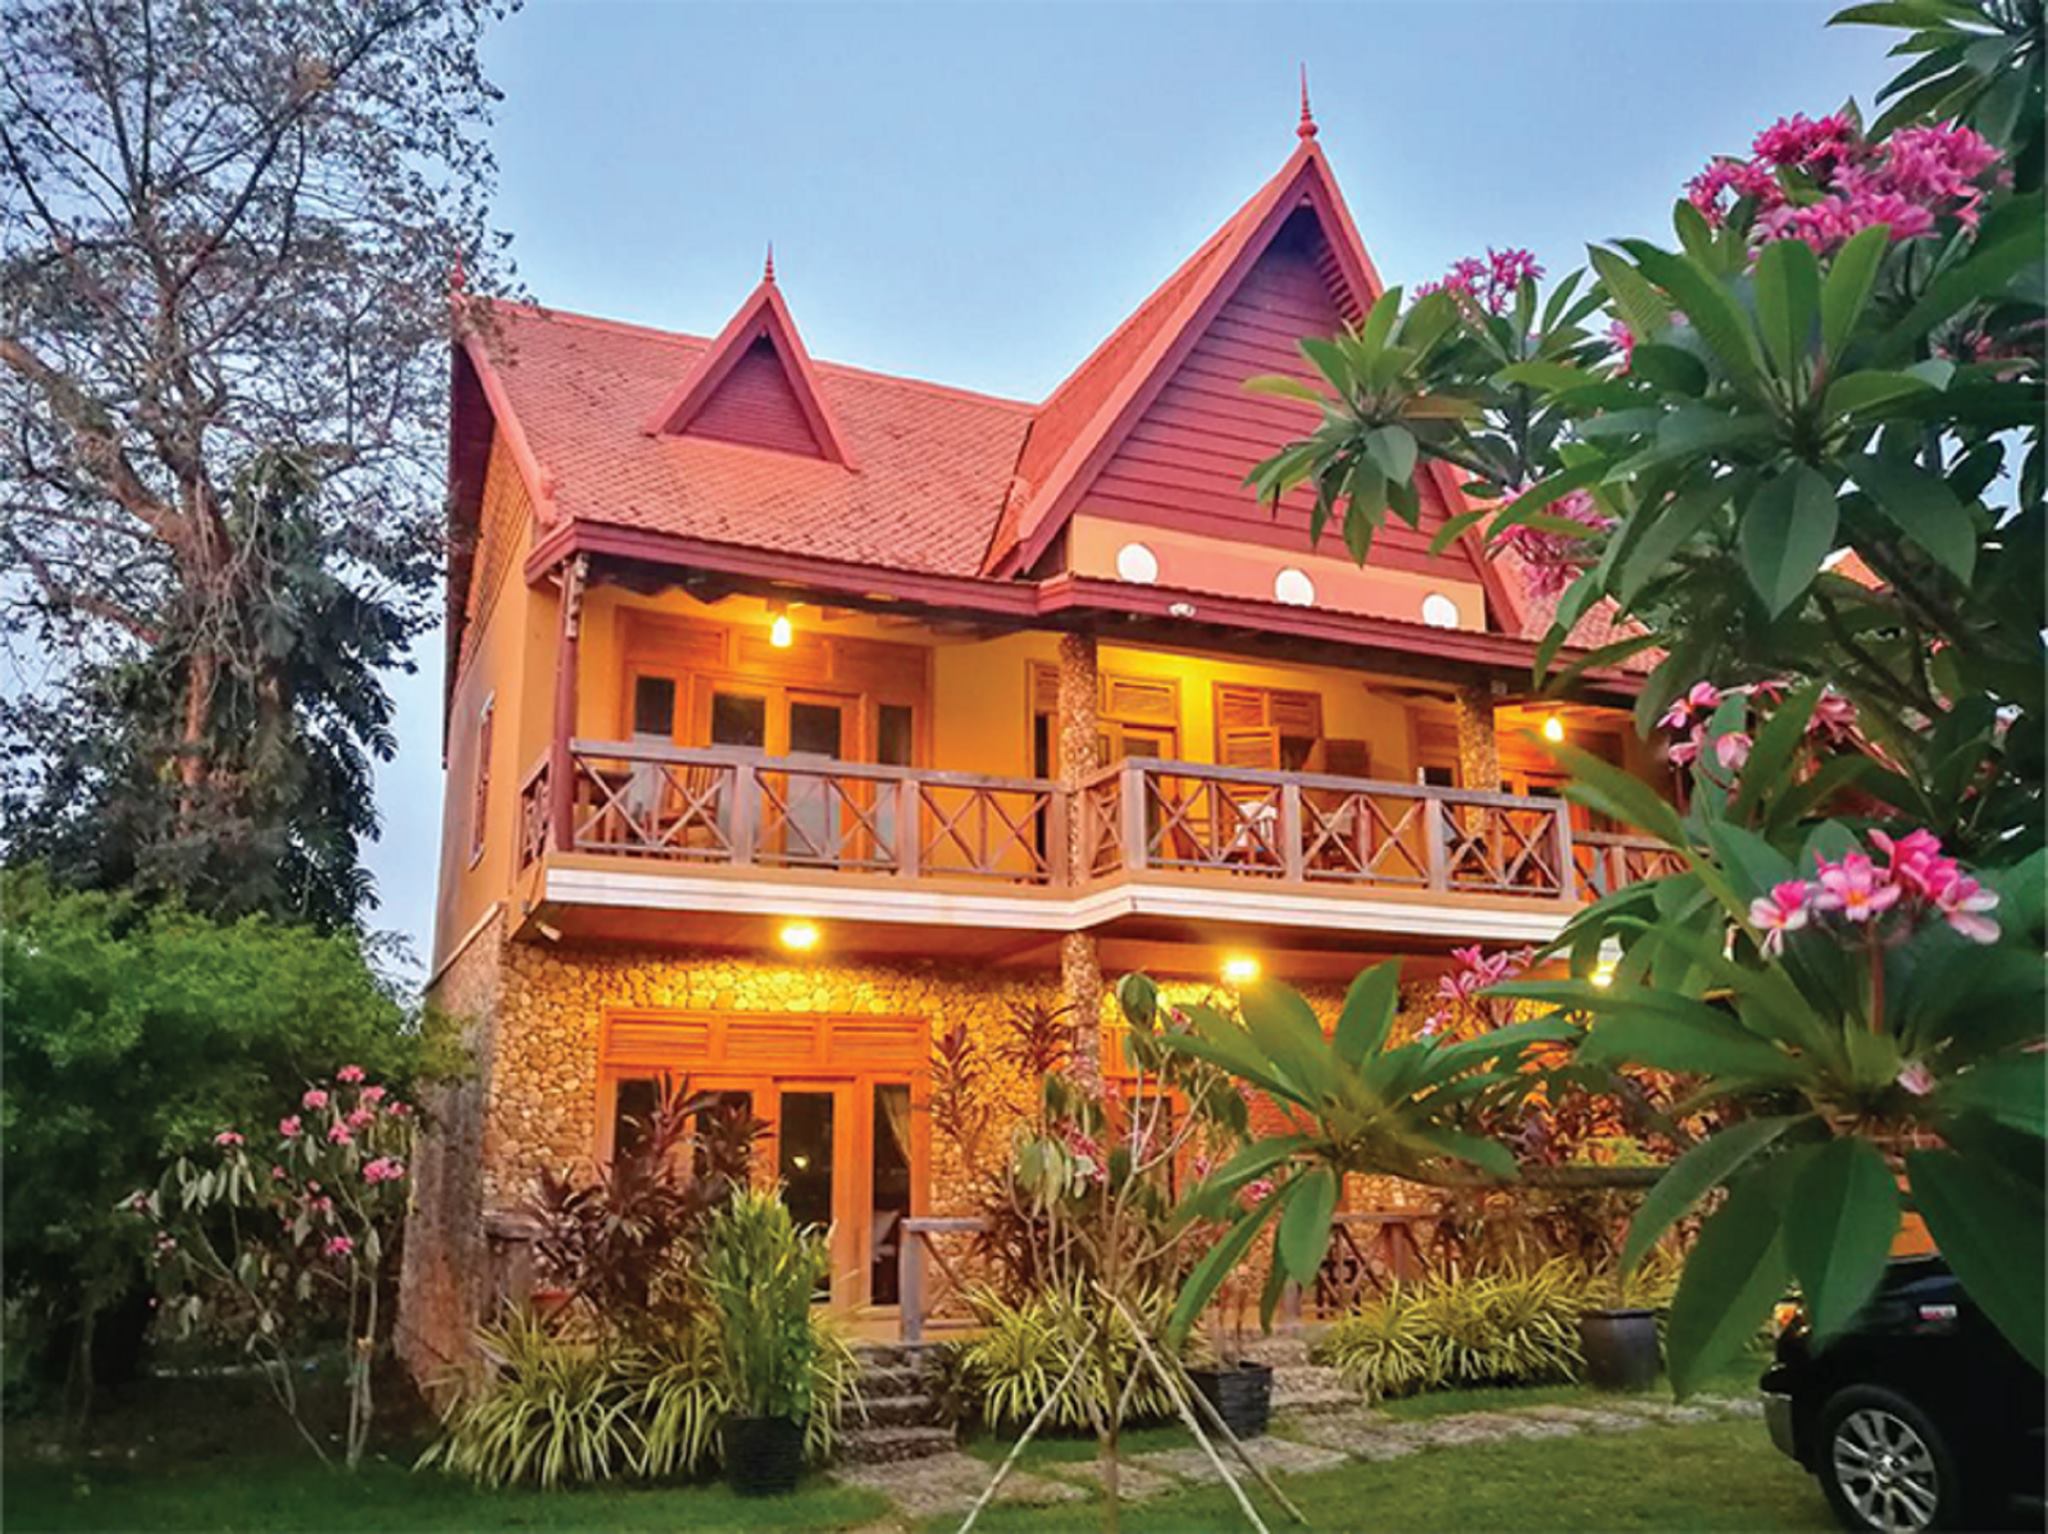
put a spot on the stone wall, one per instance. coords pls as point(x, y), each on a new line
point(445, 1270)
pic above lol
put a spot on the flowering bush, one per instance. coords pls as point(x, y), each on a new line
point(278, 1248)
point(1809, 429)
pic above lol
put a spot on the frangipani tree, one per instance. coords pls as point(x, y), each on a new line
point(1795, 457)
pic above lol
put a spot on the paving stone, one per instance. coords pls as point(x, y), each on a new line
point(1461, 1428)
point(1586, 1419)
point(950, 1483)
point(1672, 1415)
point(1361, 1434)
point(1278, 1455)
point(1134, 1483)
point(1734, 1406)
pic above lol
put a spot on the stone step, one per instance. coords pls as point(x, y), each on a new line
point(894, 1380)
point(890, 1445)
point(916, 1410)
point(1307, 1388)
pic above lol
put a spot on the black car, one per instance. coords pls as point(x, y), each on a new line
point(1920, 1416)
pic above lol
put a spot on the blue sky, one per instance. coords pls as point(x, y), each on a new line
point(977, 193)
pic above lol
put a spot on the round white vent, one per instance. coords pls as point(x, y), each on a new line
point(1439, 611)
point(1293, 587)
point(1137, 564)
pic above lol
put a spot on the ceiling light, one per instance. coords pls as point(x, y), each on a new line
point(1240, 969)
point(798, 936)
point(1553, 730)
point(781, 633)
point(1603, 973)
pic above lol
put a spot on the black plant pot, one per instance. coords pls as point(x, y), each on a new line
point(764, 1456)
point(1620, 1348)
point(1242, 1394)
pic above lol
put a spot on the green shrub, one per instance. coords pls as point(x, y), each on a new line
point(1026, 1347)
point(1504, 1328)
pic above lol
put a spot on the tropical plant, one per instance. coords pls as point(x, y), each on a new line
point(617, 1239)
point(133, 1033)
point(265, 1248)
point(1353, 1104)
point(1014, 1366)
point(761, 1271)
point(1507, 1328)
point(552, 1410)
point(1802, 469)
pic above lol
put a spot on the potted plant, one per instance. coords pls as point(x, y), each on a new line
point(1240, 1388)
point(1618, 1328)
point(761, 1272)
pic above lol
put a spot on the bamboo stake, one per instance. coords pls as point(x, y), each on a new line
point(1180, 1404)
point(1031, 1431)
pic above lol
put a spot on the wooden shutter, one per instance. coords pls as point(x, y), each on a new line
point(1250, 748)
point(1132, 700)
point(1045, 688)
point(1240, 708)
point(1295, 713)
point(480, 801)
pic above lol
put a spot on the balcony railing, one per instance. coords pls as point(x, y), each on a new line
point(735, 808)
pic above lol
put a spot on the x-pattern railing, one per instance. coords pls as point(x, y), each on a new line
point(1138, 817)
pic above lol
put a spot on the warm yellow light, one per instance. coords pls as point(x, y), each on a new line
point(1240, 969)
point(1603, 973)
point(781, 633)
point(1553, 729)
point(799, 936)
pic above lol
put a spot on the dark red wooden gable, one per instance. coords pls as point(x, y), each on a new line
point(756, 404)
point(1184, 461)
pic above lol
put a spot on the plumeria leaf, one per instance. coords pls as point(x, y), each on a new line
point(1304, 1234)
point(1788, 528)
point(1839, 1224)
point(1368, 1013)
point(1920, 506)
point(1993, 1229)
point(1737, 1270)
point(1695, 1174)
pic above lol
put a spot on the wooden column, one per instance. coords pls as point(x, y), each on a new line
point(561, 766)
point(1077, 746)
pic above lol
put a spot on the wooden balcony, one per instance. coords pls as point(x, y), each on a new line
point(652, 807)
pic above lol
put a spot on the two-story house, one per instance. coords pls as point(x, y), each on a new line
point(797, 712)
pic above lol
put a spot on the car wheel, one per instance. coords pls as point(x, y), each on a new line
point(1884, 1465)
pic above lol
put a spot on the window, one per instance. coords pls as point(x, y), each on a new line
point(480, 795)
point(739, 719)
point(654, 707)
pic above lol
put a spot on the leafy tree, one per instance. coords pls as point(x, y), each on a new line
point(1801, 466)
point(135, 1033)
point(228, 235)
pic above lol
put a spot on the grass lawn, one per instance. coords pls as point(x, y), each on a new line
point(279, 1493)
point(1720, 1475)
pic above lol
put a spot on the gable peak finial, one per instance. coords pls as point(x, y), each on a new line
point(1306, 128)
point(768, 267)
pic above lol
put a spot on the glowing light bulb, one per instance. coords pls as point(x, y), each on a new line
point(781, 632)
point(1240, 969)
point(799, 936)
point(1553, 729)
point(1603, 973)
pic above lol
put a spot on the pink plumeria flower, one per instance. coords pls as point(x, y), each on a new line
point(1915, 860)
point(1732, 750)
point(373, 1094)
point(1855, 887)
point(314, 1100)
point(349, 1074)
point(1962, 902)
point(1784, 910)
point(1256, 1192)
point(227, 1137)
point(1917, 1079)
point(339, 1134)
point(1700, 700)
point(290, 1127)
point(361, 1117)
point(338, 1246)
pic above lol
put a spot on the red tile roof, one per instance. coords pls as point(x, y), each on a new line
point(910, 476)
point(933, 462)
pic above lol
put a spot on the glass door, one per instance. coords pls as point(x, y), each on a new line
point(814, 1133)
point(813, 825)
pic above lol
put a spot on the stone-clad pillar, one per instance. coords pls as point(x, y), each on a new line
point(1478, 750)
point(1077, 747)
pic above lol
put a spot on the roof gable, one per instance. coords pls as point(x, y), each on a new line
point(755, 385)
point(1088, 417)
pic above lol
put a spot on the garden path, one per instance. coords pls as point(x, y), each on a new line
point(1298, 1443)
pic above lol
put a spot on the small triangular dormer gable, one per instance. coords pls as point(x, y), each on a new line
point(755, 386)
point(1162, 465)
